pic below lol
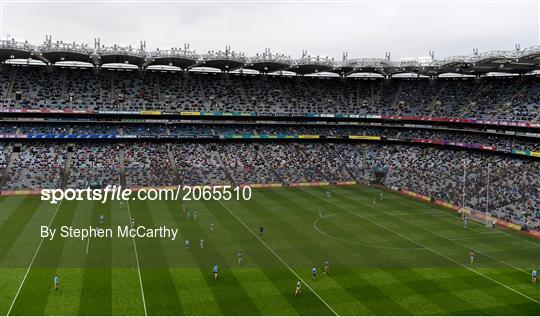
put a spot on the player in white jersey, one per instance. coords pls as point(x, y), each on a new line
point(472, 256)
point(326, 267)
point(187, 244)
point(212, 227)
point(202, 243)
point(239, 257)
point(298, 288)
point(195, 214)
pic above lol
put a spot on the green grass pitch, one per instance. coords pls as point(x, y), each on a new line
point(397, 257)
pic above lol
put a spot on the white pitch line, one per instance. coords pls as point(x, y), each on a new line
point(422, 245)
point(457, 224)
point(353, 242)
point(137, 259)
point(277, 256)
point(32, 262)
point(479, 237)
point(444, 213)
point(468, 247)
point(449, 239)
point(87, 245)
point(415, 213)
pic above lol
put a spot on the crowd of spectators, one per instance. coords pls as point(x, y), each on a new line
point(94, 163)
point(198, 164)
point(290, 163)
point(4, 155)
point(459, 177)
point(246, 164)
point(37, 166)
point(147, 164)
point(509, 98)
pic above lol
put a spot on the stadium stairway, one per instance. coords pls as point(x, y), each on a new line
point(201, 90)
point(12, 82)
point(172, 162)
point(63, 87)
point(269, 166)
point(436, 105)
point(300, 149)
point(218, 155)
point(9, 165)
point(67, 167)
point(122, 165)
point(343, 164)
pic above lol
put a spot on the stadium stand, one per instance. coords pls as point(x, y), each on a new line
point(508, 98)
point(94, 164)
point(434, 171)
point(37, 166)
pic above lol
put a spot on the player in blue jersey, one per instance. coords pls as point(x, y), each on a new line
point(56, 282)
point(534, 276)
point(314, 273)
point(216, 271)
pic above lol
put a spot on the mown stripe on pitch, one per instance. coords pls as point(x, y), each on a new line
point(302, 305)
point(263, 293)
point(365, 292)
point(501, 294)
point(191, 287)
point(38, 286)
point(96, 295)
point(159, 290)
point(488, 261)
point(433, 291)
point(8, 205)
point(229, 294)
point(343, 278)
point(14, 225)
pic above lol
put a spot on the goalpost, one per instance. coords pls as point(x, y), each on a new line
point(478, 216)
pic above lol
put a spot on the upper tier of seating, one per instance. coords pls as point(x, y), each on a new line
point(506, 98)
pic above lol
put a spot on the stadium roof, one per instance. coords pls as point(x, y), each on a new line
point(516, 62)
